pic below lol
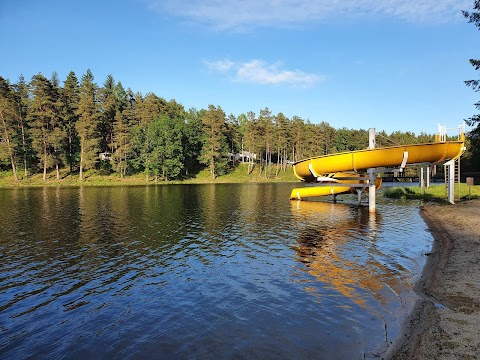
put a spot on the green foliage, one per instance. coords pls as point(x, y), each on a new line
point(398, 192)
point(163, 148)
point(192, 142)
point(213, 153)
point(50, 127)
point(44, 119)
point(87, 123)
point(8, 114)
point(70, 98)
point(474, 18)
point(474, 136)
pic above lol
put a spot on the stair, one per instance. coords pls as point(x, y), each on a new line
point(457, 179)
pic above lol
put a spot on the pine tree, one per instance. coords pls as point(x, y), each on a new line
point(57, 133)
point(474, 136)
point(121, 129)
point(213, 149)
point(70, 98)
point(281, 126)
point(474, 17)
point(8, 117)
point(42, 119)
point(108, 104)
point(192, 141)
point(266, 124)
point(87, 124)
point(22, 101)
point(251, 131)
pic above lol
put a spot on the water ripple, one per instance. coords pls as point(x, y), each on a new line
point(202, 271)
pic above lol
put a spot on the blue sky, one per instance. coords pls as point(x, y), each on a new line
point(388, 64)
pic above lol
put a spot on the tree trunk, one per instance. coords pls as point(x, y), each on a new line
point(81, 162)
point(70, 149)
point(212, 169)
point(279, 161)
point(24, 147)
point(45, 164)
point(44, 160)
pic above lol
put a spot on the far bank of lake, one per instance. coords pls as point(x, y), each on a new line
point(93, 178)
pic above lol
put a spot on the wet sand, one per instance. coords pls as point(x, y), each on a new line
point(445, 323)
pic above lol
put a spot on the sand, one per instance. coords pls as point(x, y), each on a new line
point(445, 323)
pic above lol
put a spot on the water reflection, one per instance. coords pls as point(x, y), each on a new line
point(338, 245)
point(191, 271)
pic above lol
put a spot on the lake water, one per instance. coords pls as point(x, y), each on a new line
point(202, 271)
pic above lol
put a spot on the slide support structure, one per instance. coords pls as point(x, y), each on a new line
point(371, 174)
point(424, 179)
point(450, 170)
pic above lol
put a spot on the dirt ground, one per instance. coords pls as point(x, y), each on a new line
point(445, 323)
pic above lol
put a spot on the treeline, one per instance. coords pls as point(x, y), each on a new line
point(79, 126)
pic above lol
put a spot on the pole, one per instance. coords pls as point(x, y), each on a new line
point(371, 138)
point(371, 174)
point(428, 178)
point(421, 181)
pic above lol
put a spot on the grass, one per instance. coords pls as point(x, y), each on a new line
point(434, 192)
point(93, 178)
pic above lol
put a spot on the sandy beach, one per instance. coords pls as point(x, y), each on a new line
point(445, 323)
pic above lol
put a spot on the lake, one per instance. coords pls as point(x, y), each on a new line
point(203, 271)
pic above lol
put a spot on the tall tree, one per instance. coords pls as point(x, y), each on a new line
point(70, 98)
point(213, 149)
point(474, 17)
point(42, 119)
point(192, 141)
point(87, 124)
point(121, 129)
point(57, 133)
point(281, 126)
point(109, 107)
point(266, 139)
point(250, 136)
point(22, 92)
point(8, 117)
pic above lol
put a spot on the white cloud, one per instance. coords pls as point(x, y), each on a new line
point(236, 14)
point(260, 72)
point(220, 65)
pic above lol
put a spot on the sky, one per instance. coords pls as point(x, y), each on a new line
point(385, 64)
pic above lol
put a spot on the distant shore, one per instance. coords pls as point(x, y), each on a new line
point(445, 322)
point(92, 178)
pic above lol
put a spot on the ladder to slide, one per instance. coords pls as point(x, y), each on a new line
point(452, 166)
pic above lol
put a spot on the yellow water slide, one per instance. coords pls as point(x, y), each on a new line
point(337, 168)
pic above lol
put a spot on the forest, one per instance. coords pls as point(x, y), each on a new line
point(79, 126)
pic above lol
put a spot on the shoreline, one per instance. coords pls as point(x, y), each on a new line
point(445, 321)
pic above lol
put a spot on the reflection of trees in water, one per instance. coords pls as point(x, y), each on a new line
point(337, 245)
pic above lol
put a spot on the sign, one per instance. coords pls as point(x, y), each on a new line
point(470, 181)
